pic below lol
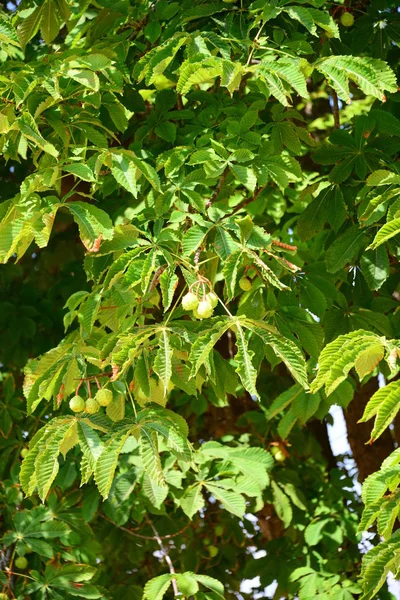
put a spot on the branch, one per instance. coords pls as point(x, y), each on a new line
point(335, 109)
point(166, 557)
point(218, 188)
point(247, 201)
point(147, 537)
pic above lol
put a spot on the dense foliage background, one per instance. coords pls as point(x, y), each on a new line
point(152, 150)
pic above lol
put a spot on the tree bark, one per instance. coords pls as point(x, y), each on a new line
point(368, 457)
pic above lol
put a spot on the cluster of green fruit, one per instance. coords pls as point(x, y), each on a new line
point(202, 309)
point(103, 397)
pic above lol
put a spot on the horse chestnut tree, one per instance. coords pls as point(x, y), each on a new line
point(199, 246)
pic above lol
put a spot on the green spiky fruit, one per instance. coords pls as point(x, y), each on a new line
point(190, 301)
point(21, 562)
point(24, 452)
point(204, 310)
point(91, 406)
point(212, 550)
point(245, 284)
point(104, 397)
point(77, 404)
point(3, 596)
point(347, 19)
point(212, 299)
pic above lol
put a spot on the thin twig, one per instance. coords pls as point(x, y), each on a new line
point(335, 109)
point(255, 41)
point(218, 187)
point(156, 278)
point(166, 557)
point(247, 201)
point(108, 374)
point(147, 537)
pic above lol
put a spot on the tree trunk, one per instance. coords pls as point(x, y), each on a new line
point(368, 457)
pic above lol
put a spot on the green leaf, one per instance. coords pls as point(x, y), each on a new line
point(80, 170)
point(287, 351)
point(282, 504)
point(375, 267)
point(166, 131)
point(314, 531)
point(30, 130)
point(168, 284)
point(385, 233)
point(87, 78)
point(163, 359)
point(304, 406)
point(94, 224)
point(124, 172)
point(231, 501)
point(338, 357)
point(156, 588)
point(372, 75)
point(108, 460)
point(29, 26)
point(344, 249)
point(203, 345)
point(49, 23)
point(192, 501)
point(384, 405)
point(243, 358)
point(230, 272)
point(245, 175)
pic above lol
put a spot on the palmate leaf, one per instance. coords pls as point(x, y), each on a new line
point(25, 221)
point(376, 565)
point(338, 357)
point(42, 467)
point(39, 374)
point(276, 73)
point(372, 75)
point(384, 406)
point(253, 463)
point(198, 72)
